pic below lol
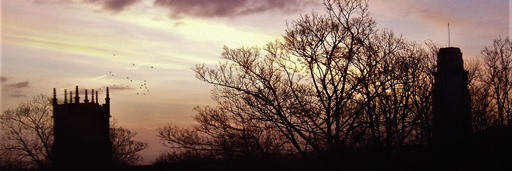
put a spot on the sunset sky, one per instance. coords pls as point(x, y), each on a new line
point(143, 50)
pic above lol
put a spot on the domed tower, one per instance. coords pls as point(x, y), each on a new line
point(81, 133)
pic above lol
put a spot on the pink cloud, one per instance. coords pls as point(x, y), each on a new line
point(473, 23)
point(114, 5)
point(228, 8)
point(19, 85)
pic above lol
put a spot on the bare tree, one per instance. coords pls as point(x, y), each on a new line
point(27, 133)
point(124, 148)
point(498, 77)
point(329, 47)
point(481, 101)
point(396, 90)
point(220, 136)
point(332, 83)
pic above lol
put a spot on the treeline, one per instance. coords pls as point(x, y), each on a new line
point(334, 83)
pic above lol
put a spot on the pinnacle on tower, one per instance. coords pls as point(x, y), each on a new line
point(77, 98)
point(86, 100)
point(92, 96)
point(107, 99)
point(54, 100)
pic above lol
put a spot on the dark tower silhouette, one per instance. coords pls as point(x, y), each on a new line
point(81, 133)
point(451, 101)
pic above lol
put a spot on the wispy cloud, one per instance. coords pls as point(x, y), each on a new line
point(440, 12)
point(99, 77)
point(114, 5)
point(120, 88)
point(17, 95)
point(201, 8)
point(107, 5)
point(19, 85)
point(473, 23)
point(228, 8)
point(14, 89)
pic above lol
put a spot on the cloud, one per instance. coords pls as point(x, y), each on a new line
point(120, 88)
point(19, 85)
point(13, 89)
point(17, 95)
point(457, 11)
point(228, 8)
point(201, 8)
point(113, 5)
point(473, 23)
point(464, 14)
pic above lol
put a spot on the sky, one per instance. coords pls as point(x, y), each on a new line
point(144, 50)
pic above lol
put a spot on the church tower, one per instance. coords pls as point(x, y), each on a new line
point(81, 132)
point(451, 101)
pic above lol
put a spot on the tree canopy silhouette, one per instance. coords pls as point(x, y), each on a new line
point(332, 83)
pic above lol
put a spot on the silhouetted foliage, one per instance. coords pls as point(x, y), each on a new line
point(220, 136)
point(334, 83)
point(124, 148)
point(497, 76)
point(27, 134)
point(480, 96)
point(490, 85)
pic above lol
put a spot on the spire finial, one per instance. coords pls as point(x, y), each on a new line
point(107, 99)
point(92, 96)
point(65, 96)
point(54, 100)
point(86, 100)
point(77, 98)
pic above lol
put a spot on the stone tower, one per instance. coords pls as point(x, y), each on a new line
point(81, 132)
point(451, 101)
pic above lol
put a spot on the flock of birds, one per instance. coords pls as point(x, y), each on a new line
point(141, 85)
